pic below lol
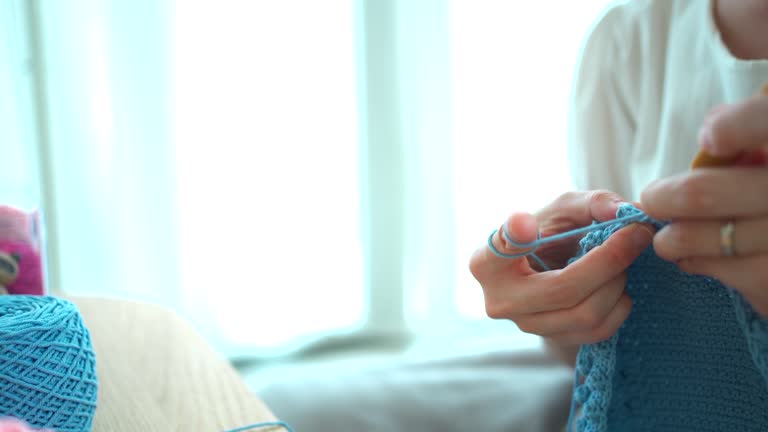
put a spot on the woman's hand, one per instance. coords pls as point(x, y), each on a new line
point(582, 303)
point(700, 203)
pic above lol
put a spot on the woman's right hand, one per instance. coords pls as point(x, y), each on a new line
point(582, 303)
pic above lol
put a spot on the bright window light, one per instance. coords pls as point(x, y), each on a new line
point(267, 148)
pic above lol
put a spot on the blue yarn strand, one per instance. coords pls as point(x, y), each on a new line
point(532, 246)
point(262, 425)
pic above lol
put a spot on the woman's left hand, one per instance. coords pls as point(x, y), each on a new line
point(702, 203)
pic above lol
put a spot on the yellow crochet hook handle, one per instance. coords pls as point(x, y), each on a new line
point(704, 159)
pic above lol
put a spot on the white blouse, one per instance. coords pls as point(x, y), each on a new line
point(650, 71)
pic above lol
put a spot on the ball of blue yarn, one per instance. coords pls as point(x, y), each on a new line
point(47, 364)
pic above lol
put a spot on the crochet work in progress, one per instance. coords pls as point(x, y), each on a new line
point(692, 356)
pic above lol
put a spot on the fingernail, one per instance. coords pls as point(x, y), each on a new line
point(705, 140)
point(615, 204)
point(613, 208)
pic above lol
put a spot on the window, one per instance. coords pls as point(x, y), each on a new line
point(267, 154)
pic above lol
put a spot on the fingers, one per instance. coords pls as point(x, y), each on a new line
point(605, 330)
point(566, 288)
point(581, 303)
point(748, 275)
point(603, 205)
point(584, 301)
point(587, 315)
point(736, 128)
point(708, 193)
point(607, 261)
point(577, 209)
point(571, 210)
point(702, 238)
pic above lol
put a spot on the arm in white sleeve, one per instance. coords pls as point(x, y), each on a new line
point(601, 122)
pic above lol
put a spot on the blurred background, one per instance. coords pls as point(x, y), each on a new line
point(303, 180)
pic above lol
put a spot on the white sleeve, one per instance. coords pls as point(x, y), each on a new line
point(601, 123)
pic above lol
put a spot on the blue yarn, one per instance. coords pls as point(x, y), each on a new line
point(532, 246)
point(48, 367)
point(47, 364)
point(280, 423)
point(692, 355)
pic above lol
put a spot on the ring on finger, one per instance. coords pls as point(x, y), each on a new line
point(726, 239)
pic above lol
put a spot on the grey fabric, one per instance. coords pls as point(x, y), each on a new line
point(502, 391)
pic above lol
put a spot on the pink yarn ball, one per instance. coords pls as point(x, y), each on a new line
point(18, 226)
point(30, 279)
point(20, 236)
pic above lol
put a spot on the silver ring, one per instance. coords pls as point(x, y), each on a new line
point(726, 239)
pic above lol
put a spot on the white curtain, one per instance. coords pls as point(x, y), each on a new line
point(107, 75)
point(19, 184)
point(281, 172)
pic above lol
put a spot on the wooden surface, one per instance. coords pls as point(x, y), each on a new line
point(157, 374)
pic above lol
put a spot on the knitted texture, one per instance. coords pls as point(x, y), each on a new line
point(692, 355)
point(47, 364)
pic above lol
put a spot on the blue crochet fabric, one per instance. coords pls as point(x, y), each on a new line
point(692, 356)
